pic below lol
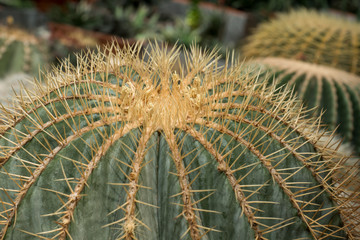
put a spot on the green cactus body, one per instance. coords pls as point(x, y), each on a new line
point(119, 148)
point(20, 52)
point(325, 90)
point(308, 36)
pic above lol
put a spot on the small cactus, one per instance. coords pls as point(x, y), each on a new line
point(120, 148)
point(334, 91)
point(20, 52)
point(309, 36)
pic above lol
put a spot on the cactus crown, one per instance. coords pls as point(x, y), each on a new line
point(309, 36)
point(323, 88)
point(17, 34)
point(20, 51)
point(120, 148)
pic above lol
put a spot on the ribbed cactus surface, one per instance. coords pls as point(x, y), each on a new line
point(20, 52)
point(332, 92)
point(309, 36)
point(120, 148)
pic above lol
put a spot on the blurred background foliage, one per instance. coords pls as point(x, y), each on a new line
point(143, 19)
point(352, 6)
point(68, 27)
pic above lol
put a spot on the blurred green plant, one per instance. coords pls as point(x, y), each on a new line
point(275, 5)
point(82, 14)
point(17, 3)
point(135, 23)
point(126, 3)
point(109, 17)
point(181, 33)
point(211, 29)
point(193, 17)
point(20, 52)
point(352, 6)
point(207, 34)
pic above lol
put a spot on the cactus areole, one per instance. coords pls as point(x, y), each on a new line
point(123, 148)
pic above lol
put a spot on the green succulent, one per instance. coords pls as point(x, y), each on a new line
point(328, 91)
point(122, 148)
point(20, 52)
point(82, 14)
point(18, 3)
point(309, 36)
point(180, 32)
point(136, 23)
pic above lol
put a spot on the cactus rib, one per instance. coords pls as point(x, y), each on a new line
point(322, 88)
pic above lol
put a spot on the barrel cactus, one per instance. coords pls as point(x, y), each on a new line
point(309, 36)
point(326, 90)
point(122, 148)
point(20, 52)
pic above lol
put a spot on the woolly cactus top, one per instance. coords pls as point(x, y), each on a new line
point(120, 148)
point(17, 34)
point(309, 36)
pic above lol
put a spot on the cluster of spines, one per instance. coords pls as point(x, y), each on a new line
point(237, 114)
point(20, 51)
point(308, 36)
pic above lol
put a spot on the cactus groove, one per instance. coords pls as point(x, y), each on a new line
point(308, 36)
point(328, 91)
point(122, 148)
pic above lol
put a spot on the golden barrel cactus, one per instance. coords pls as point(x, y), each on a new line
point(122, 148)
point(309, 36)
point(328, 91)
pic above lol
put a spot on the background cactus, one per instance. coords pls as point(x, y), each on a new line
point(19, 52)
point(11, 85)
point(321, 88)
point(120, 148)
point(308, 36)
